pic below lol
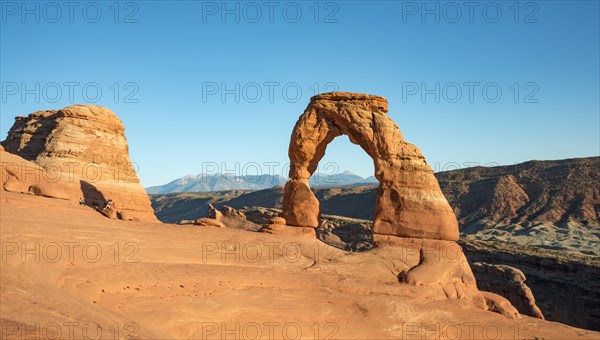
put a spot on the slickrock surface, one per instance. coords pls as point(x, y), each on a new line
point(216, 281)
point(84, 151)
point(499, 304)
point(409, 200)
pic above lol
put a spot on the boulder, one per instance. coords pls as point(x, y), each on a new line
point(259, 215)
point(109, 212)
point(48, 190)
point(186, 222)
point(233, 218)
point(209, 222)
point(214, 213)
point(277, 220)
point(281, 229)
point(227, 211)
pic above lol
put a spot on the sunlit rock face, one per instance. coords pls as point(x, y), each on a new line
point(409, 200)
point(83, 149)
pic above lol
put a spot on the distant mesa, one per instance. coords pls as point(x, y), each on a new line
point(79, 151)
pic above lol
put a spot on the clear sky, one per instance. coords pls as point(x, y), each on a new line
point(179, 66)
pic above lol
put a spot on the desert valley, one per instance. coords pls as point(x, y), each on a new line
point(481, 253)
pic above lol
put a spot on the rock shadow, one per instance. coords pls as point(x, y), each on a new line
point(91, 194)
point(37, 142)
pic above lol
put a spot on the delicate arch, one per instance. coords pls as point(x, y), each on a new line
point(409, 202)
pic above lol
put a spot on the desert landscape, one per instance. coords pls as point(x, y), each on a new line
point(290, 170)
point(109, 271)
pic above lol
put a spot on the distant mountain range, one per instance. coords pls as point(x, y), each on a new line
point(224, 182)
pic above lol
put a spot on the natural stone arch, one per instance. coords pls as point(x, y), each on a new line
point(409, 202)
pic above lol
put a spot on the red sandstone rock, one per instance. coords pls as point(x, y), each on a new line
point(125, 216)
point(209, 222)
point(499, 304)
point(300, 206)
point(214, 213)
point(508, 282)
point(277, 220)
point(18, 174)
point(83, 150)
point(409, 200)
point(288, 230)
point(51, 190)
point(439, 264)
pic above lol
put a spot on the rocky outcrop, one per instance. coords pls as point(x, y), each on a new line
point(214, 213)
point(501, 305)
point(435, 263)
point(346, 233)
point(508, 282)
point(288, 230)
point(566, 286)
point(209, 222)
point(83, 150)
point(560, 192)
point(409, 200)
point(277, 220)
point(20, 175)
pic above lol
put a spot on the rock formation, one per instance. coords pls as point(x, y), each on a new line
point(566, 285)
point(409, 200)
point(508, 282)
point(501, 305)
point(22, 176)
point(83, 151)
point(214, 213)
point(438, 264)
point(209, 222)
point(564, 193)
point(411, 213)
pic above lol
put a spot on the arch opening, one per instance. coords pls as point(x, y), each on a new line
point(345, 187)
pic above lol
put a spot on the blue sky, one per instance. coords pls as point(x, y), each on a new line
point(172, 62)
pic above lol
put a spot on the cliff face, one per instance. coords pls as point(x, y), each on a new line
point(83, 148)
point(509, 282)
point(566, 286)
point(558, 192)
